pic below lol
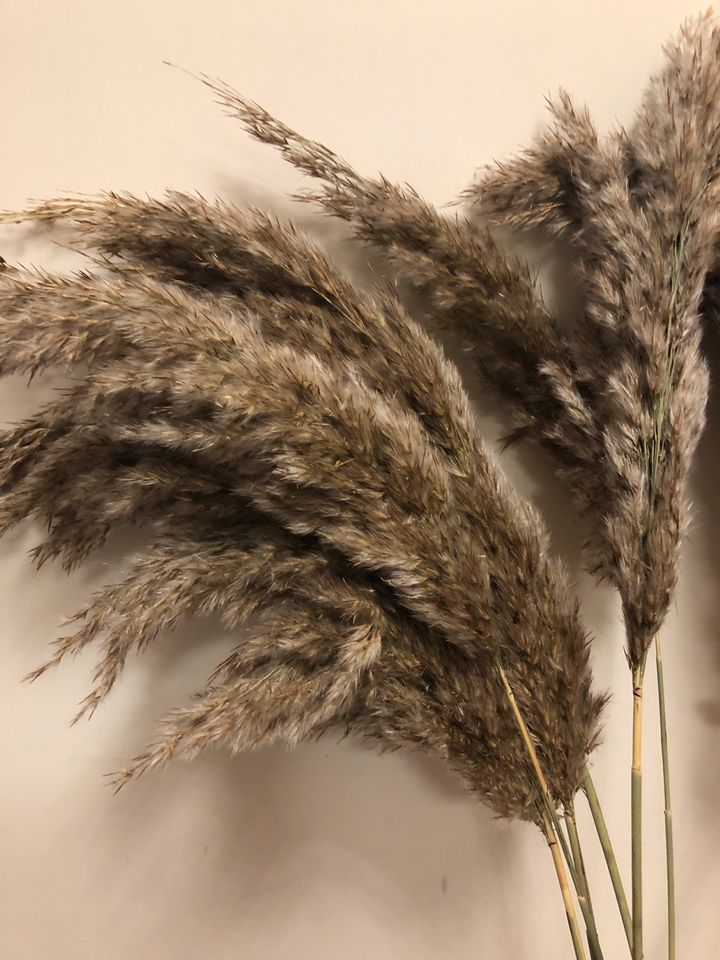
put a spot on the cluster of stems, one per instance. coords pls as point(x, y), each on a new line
point(563, 838)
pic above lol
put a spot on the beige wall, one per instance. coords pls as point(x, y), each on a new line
point(330, 851)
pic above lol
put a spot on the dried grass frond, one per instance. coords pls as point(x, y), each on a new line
point(619, 402)
point(641, 210)
point(192, 394)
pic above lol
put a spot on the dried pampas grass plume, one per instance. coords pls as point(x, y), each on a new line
point(550, 376)
point(307, 461)
point(316, 411)
point(641, 210)
point(619, 399)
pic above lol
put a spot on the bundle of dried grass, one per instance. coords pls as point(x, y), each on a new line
point(641, 210)
point(308, 462)
point(619, 400)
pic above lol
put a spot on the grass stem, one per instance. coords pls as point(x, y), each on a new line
point(565, 890)
point(549, 829)
point(583, 887)
point(636, 811)
point(609, 853)
point(669, 842)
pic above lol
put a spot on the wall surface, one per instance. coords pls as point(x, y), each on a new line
point(328, 851)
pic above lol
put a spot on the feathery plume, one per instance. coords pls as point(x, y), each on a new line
point(621, 409)
point(558, 395)
point(641, 210)
point(229, 363)
point(186, 396)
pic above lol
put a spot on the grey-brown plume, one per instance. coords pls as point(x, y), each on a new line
point(641, 211)
point(619, 401)
point(307, 463)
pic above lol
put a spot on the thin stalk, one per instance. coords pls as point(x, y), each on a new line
point(669, 843)
point(579, 882)
point(559, 864)
point(549, 829)
point(561, 831)
point(584, 891)
point(607, 849)
point(636, 811)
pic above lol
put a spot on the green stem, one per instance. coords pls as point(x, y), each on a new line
point(582, 885)
point(669, 844)
point(607, 849)
point(579, 882)
point(566, 850)
point(636, 811)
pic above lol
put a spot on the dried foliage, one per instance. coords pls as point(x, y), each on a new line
point(641, 211)
point(307, 462)
point(618, 400)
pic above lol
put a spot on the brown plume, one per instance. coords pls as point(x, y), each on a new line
point(619, 401)
point(307, 459)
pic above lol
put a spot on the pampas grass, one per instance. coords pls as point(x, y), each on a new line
point(641, 210)
point(619, 399)
point(257, 427)
point(306, 460)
